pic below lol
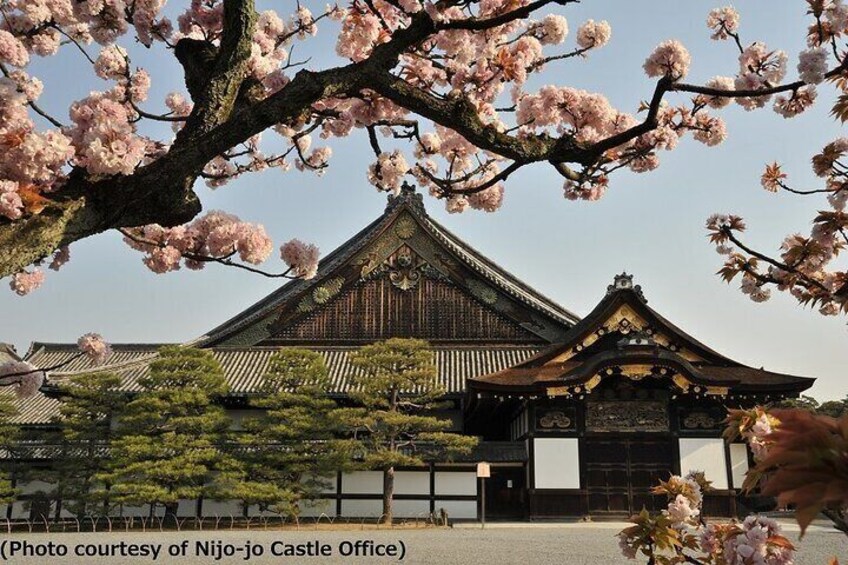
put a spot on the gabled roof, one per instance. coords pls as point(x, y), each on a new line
point(624, 336)
point(404, 225)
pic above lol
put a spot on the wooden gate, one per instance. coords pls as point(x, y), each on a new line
point(621, 471)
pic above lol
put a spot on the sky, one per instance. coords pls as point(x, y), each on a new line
point(651, 225)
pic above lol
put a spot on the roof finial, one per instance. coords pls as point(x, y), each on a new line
point(625, 282)
point(409, 196)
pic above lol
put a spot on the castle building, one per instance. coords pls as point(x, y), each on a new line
point(576, 416)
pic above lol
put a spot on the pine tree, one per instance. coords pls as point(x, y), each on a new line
point(9, 439)
point(397, 389)
point(293, 449)
point(169, 447)
point(90, 403)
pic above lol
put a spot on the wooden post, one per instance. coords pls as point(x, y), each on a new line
point(483, 472)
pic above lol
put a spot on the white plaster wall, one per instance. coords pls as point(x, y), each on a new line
point(456, 483)
point(189, 507)
point(707, 455)
point(19, 511)
point(458, 509)
point(412, 482)
point(212, 508)
point(363, 482)
point(738, 463)
point(362, 508)
point(411, 508)
point(314, 508)
point(141, 511)
point(556, 463)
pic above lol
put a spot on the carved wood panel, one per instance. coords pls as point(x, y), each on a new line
point(627, 416)
point(379, 308)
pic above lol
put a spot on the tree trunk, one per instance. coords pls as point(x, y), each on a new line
point(388, 494)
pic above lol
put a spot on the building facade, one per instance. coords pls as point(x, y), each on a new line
point(576, 416)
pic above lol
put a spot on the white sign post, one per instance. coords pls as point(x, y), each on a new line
point(483, 472)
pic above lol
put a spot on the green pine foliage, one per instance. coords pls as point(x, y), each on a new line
point(9, 438)
point(170, 435)
point(396, 388)
point(293, 450)
point(90, 403)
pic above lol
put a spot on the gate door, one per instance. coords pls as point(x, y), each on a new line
point(621, 472)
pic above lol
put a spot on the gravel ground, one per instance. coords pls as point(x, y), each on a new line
point(589, 544)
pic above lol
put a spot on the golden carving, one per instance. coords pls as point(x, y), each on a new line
point(558, 391)
point(405, 227)
point(482, 291)
point(636, 372)
point(718, 390)
point(682, 382)
point(593, 382)
point(326, 291)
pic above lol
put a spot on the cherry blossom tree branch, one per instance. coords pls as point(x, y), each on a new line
point(225, 260)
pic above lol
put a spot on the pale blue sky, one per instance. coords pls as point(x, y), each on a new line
point(649, 224)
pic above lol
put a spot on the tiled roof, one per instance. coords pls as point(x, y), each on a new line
point(38, 409)
point(571, 363)
point(244, 367)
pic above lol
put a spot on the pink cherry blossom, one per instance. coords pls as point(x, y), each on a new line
point(670, 59)
point(770, 65)
point(111, 63)
point(25, 282)
point(302, 258)
point(387, 173)
point(754, 545)
point(723, 21)
point(12, 51)
point(11, 205)
point(94, 347)
point(25, 375)
point(681, 511)
point(489, 200)
point(795, 103)
point(709, 130)
point(552, 30)
point(593, 34)
point(812, 65)
point(718, 83)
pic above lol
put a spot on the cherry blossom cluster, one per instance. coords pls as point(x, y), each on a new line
point(94, 347)
point(685, 498)
point(28, 280)
point(757, 539)
point(301, 258)
point(754, 426)
point(215, 235)
point(804, 266)
point(28, 379)
point(680, 535)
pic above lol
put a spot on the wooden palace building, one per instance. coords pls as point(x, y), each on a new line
point(576, 416)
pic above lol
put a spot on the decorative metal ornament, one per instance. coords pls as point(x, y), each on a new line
point(405, 227)
point(483, 292)
point(555, 419)
point(328, 290)
point(404, 273)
